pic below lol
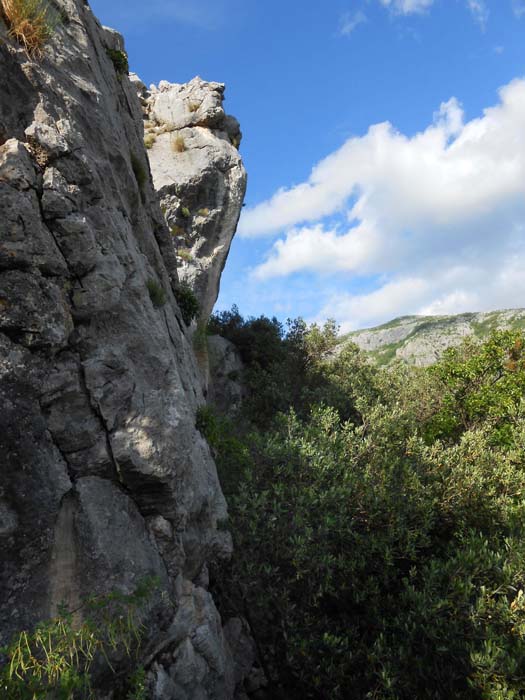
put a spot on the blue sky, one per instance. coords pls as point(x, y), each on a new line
point(384, 142)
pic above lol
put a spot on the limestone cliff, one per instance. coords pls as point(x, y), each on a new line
point(104, 476)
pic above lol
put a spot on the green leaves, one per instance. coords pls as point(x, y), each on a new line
point(383, 556)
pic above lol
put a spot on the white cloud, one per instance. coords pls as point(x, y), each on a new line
point(350, 21)
point(438, 217)
point(407, 7)
point(479, 11)
point(498, 284)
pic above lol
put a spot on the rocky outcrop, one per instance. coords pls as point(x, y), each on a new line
point(104, 477)
point(225, 387)
point(199, 176)
point(421, 340)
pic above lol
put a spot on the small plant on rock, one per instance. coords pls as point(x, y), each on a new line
point(149, 140)
point(177, 230)
point(185, 212)
point(156, 293)
point(185, 254)
point(178, 145)
point(188, 303)
point(119, 60)
point(30, 22)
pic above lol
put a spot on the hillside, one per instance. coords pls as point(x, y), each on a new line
point(421, 340)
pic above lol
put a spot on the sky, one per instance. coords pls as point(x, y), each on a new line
point(384, 142)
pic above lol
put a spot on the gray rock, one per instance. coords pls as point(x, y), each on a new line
point(242, 648)
point(25, 240)
point(200, 178)
point(225, 388)
point(105, 478)
point(34, 311)
point(197, 103)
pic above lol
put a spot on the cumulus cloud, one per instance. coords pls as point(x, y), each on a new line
point(350, 21)
point(437, 218)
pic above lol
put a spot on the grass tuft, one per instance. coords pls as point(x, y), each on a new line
point(178, 145)
point(149, 140)
point(177, 230)
point(185, 254)
point(31, 23)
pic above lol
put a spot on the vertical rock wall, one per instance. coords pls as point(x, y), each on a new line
point(103, 478)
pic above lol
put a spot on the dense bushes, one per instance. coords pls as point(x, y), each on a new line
point(380, 550)
point(282, 363)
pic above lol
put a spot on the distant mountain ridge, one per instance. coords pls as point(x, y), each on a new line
point(421, 340)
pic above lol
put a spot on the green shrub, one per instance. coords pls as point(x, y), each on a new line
point(231, 453)
point(156, 293)
point(381, 556)
point(283, 367)
point(188, 303)
point(119, 60)
point(481, 383)
point(185, 212)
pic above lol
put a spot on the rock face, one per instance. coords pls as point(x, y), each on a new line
point(421, 340)
point(199, 176)
point(104, 477)
point(225, 388)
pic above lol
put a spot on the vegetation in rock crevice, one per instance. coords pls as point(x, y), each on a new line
point(31, 23)
point(56, 658)
point(188, 303)
point(119, 60)
point(156, 293)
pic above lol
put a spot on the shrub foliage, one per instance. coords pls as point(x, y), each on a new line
point(379, 522)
